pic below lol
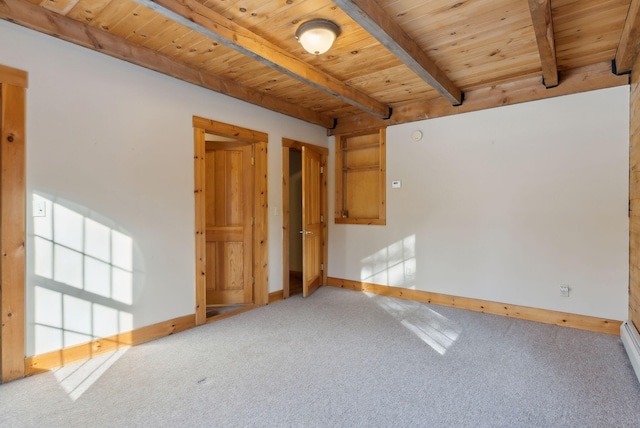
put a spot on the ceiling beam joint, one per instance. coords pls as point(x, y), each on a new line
point(628, 47)
point(32, 16)
point(207, 22)
point(373, 18)
point(542, 19)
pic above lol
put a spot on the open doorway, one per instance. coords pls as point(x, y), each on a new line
point(230, 174)
point(295, 222)
point(304, 210)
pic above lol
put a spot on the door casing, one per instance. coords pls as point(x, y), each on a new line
point(13, 86)
point(259, 140)
point(287, 145)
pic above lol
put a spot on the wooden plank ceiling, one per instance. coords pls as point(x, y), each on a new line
point(394, 61)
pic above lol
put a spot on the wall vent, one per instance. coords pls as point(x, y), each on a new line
point(631, 341)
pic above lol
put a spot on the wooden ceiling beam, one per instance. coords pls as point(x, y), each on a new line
point(372, 17)
point(27, 14)
point(583, 79)
point(628, 46)
point(543, 27)
point(210, 24)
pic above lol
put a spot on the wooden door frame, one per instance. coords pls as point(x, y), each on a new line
point(259, 140)
point(13, 85)
point(287, 145)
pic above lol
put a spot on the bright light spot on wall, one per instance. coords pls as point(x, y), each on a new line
point(394, 265)
point(84, 289)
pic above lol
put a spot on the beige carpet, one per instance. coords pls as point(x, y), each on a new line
point(342, 358)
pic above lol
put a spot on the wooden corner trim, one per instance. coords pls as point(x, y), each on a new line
point(51, 360)
point(276, 296)
point(564, 319)
point(14, 77)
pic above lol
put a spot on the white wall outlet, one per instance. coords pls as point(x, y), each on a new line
point(39, 208)
point(564, 290)
point(396, 184)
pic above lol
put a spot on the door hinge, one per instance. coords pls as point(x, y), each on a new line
point(253, 280)
point(321, 219)
point(253, 221)
point(321, 170)
point(253, 160)
point(322, 266)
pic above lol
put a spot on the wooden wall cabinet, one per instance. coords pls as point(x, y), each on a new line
point(361, 178)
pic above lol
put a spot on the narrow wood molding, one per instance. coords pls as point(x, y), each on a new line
point(14, 77)
point(582, 322)
point(199, 195)
point(51, 360)
point(286, 221)
point(261, 228)
point(231, 313)
point(583, 79)
point(205, 21)
point(12, 228)
point(230, 131)
point(543, 27)
point(298, 145)
point(276, 296)
point(38, 18)
point(372, 17)
point(628, 46)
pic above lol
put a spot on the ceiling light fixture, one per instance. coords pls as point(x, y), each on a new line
point(317, 36)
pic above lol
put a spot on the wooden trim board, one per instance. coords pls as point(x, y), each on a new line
point(51, 360)
point(14, 77)
point(582, 322)
point(276, 296)
point(13, 85)
point(583, 79)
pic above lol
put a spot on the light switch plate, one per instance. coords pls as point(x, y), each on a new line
point(396, 184)
point(39, 208)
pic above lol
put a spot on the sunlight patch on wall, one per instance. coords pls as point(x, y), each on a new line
point(434, 329)
point(394, 265)
point(85, 286)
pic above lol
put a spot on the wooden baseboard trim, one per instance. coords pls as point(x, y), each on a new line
point(230, 313)
point(582, 322)
point(51, 360)
point(276, 296)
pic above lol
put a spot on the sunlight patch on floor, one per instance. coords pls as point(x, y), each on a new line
point(76, 379)
point(434, 329)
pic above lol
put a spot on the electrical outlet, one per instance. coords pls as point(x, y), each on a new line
point(564, 290)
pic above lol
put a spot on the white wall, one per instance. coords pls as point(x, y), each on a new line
point(111, 145)
point(505, 205)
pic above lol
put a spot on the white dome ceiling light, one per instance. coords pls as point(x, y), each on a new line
point(317, 36)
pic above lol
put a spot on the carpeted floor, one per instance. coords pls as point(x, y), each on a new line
point(342, 358)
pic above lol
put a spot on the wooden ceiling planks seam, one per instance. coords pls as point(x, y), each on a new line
point(193, 15)
point(371, 16)
point(24, 13)
point(477, 47)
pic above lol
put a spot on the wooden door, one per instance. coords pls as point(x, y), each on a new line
point(229, 223)
point(312, 219)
